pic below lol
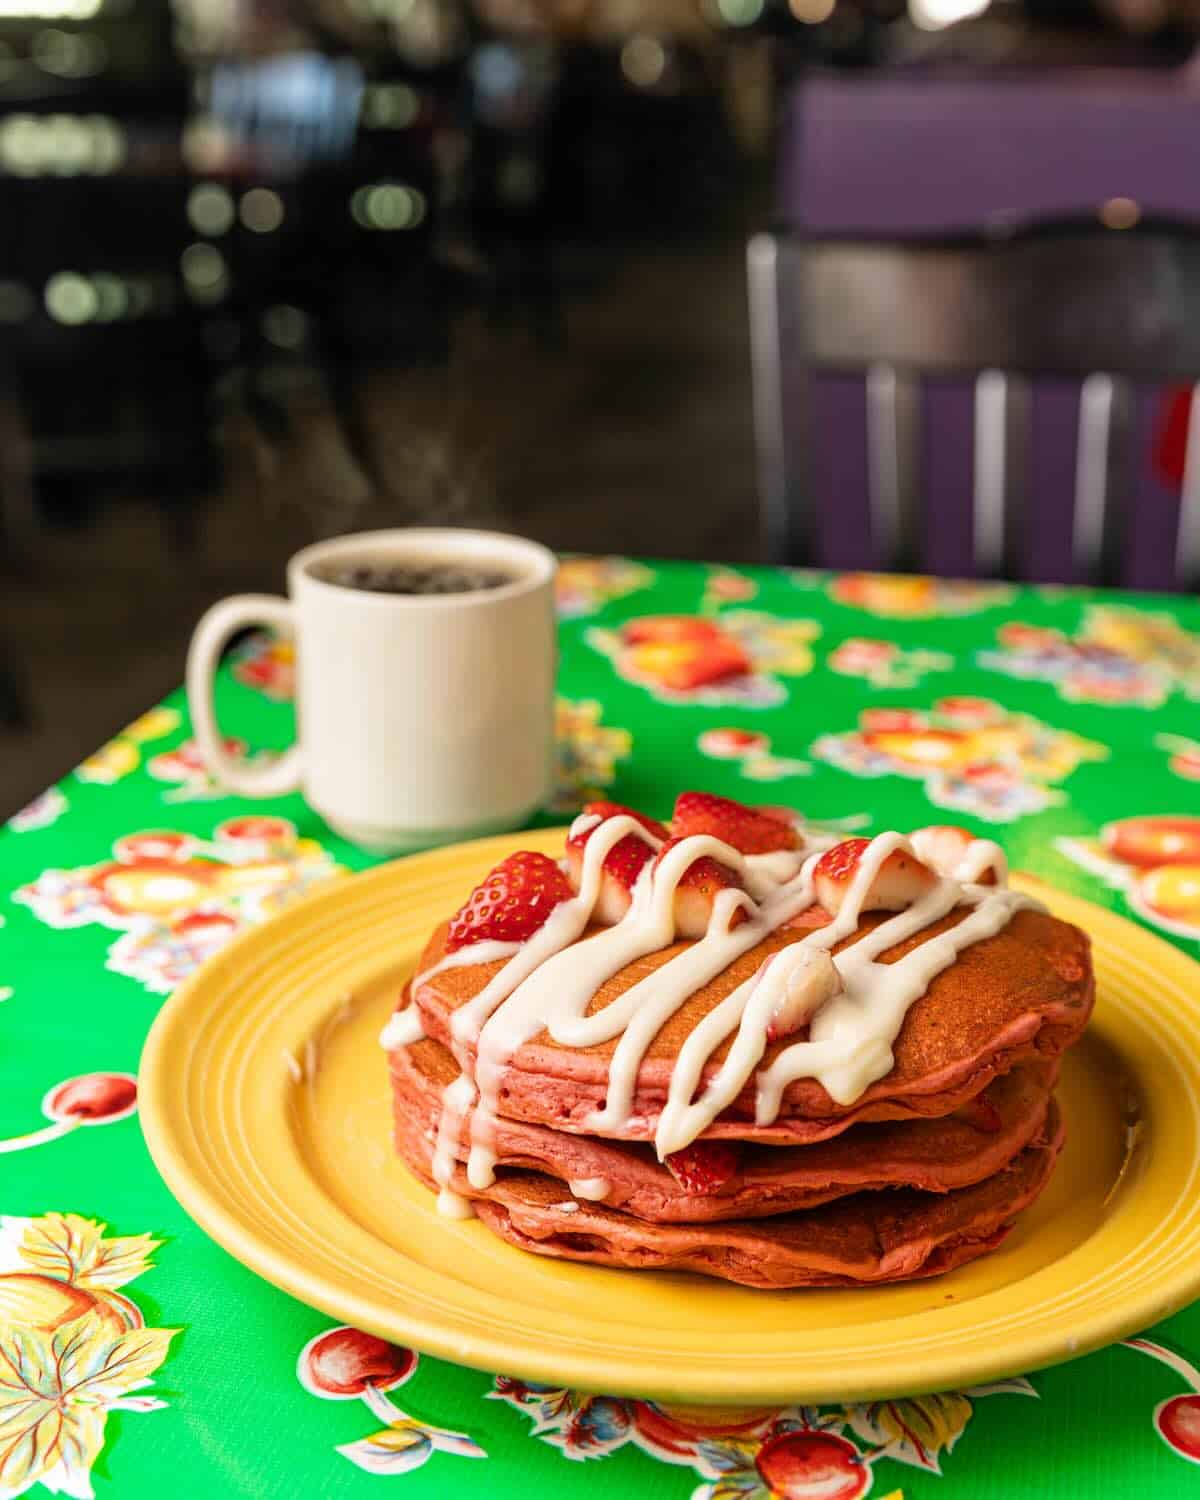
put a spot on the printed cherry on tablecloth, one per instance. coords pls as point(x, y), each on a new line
point(1176, 1420)
point(346, 1364)
point(795, 1464)
point(87, 1099)
point(884, 664)
point(752, 752)
point(184, 766)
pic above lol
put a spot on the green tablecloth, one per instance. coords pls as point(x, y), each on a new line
point(1054, 720)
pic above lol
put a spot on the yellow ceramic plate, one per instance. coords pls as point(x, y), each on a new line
point(264, 1098)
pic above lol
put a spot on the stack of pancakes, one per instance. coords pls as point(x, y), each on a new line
point(925, 1170)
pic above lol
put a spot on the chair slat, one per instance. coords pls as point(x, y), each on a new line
point(890, 546)
point(1091, 477)
point(990, 472)
point(783, 525)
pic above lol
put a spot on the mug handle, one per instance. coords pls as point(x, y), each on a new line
point(281, 773)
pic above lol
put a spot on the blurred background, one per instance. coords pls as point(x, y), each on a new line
point(275, 269)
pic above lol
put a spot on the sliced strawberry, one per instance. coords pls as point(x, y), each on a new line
point(945, 846)
point(511, 903)
point(750, 830)
point(704, 1167)
point(900, 880)
point(802, 980)
point(622, 864)
point(603, 810)
point(699, 885)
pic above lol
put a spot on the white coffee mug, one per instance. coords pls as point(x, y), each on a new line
point(421, 718)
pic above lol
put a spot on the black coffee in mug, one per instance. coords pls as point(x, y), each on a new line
point(411, 576)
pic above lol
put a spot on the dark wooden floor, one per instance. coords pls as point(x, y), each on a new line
point(636, 437)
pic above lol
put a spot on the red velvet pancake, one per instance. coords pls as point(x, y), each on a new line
point(936, 1155)
point(1021, 996)
point(865, 1239)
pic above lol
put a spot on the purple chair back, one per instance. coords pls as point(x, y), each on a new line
point(975, 405)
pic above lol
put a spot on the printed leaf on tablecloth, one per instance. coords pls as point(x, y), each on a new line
point(726, 1457)
point(74, 1249)
point(394, 1450)
point(55, 1392)
point(914, 1431)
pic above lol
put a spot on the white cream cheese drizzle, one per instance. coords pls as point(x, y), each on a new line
point(548, 983)
point(403, 1029)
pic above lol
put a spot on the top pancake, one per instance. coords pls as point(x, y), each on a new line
point(1022, 995)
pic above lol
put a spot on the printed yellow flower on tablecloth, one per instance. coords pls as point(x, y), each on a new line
point(910, 596)
point(972, 755)
point(177, 898)
point(1119, 656)
point(122, 754)
point(732, 659)
point(583, 584)
point(586, 753)
point(72, 1347)
point(751, 750)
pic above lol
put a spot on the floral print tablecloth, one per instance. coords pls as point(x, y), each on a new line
point(137, 1359)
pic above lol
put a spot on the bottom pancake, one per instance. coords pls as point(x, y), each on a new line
point(937, 1156)
point(866, 1239)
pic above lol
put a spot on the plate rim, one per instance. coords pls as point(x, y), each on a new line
point(486, 1350)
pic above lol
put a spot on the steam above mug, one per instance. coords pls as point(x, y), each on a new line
point(422, 717)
